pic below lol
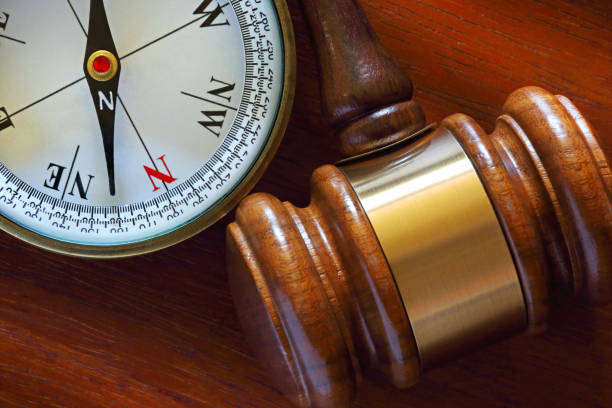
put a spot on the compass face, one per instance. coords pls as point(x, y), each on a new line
point(130, 122)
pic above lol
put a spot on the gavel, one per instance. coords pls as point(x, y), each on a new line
point(426, 243)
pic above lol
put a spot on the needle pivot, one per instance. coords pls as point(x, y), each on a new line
point(102, 66)
point(102, 70)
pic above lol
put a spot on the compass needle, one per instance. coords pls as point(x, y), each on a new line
point(102, 69)
point(203, 89)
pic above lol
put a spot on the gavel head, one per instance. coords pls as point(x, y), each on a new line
point(416, 254)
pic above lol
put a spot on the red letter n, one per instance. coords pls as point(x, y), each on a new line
point(152, 173)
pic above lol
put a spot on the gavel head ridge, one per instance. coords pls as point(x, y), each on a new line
point(426, 250)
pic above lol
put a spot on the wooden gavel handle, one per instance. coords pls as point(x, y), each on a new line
point(366, 94)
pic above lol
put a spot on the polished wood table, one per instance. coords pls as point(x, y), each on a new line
point(160, 330)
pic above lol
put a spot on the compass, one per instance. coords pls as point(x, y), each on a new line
point(127, 127)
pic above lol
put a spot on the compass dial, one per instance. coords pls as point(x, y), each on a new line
point(128, 126)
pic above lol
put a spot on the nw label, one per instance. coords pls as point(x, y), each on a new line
point(214, 15)
point(220, 95)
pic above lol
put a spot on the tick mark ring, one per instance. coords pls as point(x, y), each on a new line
point(102, 66)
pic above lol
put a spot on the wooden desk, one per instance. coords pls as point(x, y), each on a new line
point(160, 330)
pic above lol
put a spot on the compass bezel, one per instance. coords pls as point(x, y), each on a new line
point(216, 212)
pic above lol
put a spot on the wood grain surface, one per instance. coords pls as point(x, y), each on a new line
point(160, 330)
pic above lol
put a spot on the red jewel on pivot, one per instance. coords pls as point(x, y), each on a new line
point(101, 64)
